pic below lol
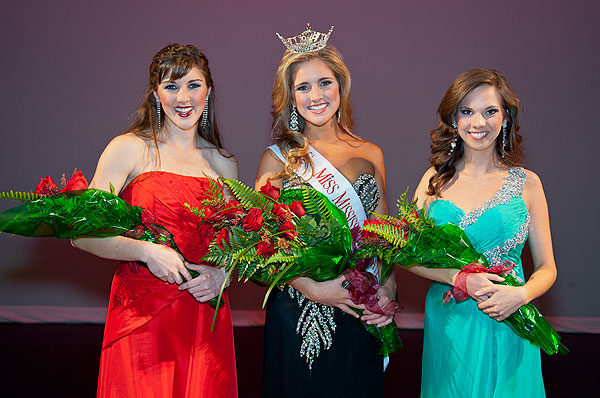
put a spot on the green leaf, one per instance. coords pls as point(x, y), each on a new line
point(248, 197)
point(22, 196)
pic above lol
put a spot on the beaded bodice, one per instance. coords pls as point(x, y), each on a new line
point(499, 228)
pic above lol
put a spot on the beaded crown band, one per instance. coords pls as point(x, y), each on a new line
point(307, 41)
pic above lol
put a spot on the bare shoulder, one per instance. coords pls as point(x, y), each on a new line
point(368, 150)
point(222, 161)
point(533, 191)
point(127, 143)
point(423, 187)
point(269, 160)
point(122, 159)
point(428, 174)
point(268, 167)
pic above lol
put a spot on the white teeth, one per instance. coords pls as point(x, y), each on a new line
point(317, 107)
point(479, 135)
point(183, 110)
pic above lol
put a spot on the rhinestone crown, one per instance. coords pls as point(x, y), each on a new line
point(307, 41)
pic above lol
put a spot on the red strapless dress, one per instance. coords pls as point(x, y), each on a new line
point(157, 340)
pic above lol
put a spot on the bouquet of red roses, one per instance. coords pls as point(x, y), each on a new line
point(78, 211)
point(271, 237)
point(412, 238)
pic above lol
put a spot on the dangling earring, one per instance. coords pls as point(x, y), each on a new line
point(454, 139)
point(504, 126)
point(204, 114)
point(158, 112)
point(294, 119)
point(338, 115)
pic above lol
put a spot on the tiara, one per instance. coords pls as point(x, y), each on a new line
point(307, 41)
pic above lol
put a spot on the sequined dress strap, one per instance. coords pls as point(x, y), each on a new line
point(513, 187)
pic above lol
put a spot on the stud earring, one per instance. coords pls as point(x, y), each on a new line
point(158, 112)
point(294, 119)
point(204, 114)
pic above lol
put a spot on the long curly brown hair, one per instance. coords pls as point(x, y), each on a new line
point(174, 61)
point(441, 159)
point(293, 144)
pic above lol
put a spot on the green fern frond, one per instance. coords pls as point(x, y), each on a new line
point(215, 191)
point(248, 197)
point(193, 210)
point(315, 204)
point(282, 257)
point(387, 232)
point(22, 196)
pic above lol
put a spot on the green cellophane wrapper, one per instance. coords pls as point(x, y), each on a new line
point(84, 213)
point(326, 263)
point(87, 212)
point(321, 251)
point(448, 246)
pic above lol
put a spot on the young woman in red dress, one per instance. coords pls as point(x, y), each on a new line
point(157, 339)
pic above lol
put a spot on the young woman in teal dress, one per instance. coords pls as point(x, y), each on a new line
point(477, 182)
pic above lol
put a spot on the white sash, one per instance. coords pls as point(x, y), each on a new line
point(330, 182)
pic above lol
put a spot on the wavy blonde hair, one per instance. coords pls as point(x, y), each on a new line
point(293, 144)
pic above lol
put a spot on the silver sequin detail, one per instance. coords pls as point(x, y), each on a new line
point(366, 188)
point(495, 255)
point(315, 325)
point(513, 187)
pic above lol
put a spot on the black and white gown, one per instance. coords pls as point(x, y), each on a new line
point(313, 350)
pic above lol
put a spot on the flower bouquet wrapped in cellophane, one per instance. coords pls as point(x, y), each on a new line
point(77, 211)
point(272, 238)
point(412, 238)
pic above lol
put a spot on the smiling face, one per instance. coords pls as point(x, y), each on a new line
point(183, 100)
point(479, 118)
point(316, 92)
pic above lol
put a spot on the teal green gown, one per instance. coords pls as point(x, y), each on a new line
point(465, 352)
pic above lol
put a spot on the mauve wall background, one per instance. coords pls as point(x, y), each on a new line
point(72, 72)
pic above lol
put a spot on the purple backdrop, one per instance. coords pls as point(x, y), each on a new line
point(74, 71)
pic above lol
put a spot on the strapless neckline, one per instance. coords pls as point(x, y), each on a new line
point(159, 172)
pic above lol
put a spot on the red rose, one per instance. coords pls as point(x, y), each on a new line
point(288, 231)
point(233, 209)
point(253, 220)
point(76, 182)
point(281, 211)
point(211, 214)
point(297, 208)
point(46, 187)
point(370, 234)
point(414, 214)
point(270, 191)
point(266, 249)
point(223, 236)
